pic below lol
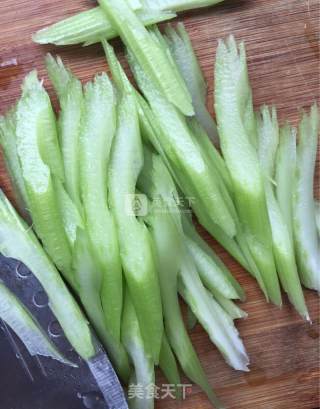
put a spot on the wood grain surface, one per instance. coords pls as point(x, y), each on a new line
point(282, 38)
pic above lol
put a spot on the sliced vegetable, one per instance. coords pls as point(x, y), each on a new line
point(184, 55)
point(134, 238)
point(233, 105)
point(93, 25)
point(98, 130)
point(144, 375)
point(305, 230)
point(18, 241)
point(19, 319)
point(69, 91)
point(89, 278)
point(148, 53)
point(168, 365)
point(282, 243)
point(9, 149)
point(41, 163)
point(184, 154)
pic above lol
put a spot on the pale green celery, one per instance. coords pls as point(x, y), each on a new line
point(233, 105)
point(268, 131)
point(179, 5)
point(185, 154)
point(148, 53)
point(168, 365)
point(285, 171)
point(305, 230)
point(135, 241)
point(69, 91)
point(144, 376)
point(97, 134)
point(317, 207)
point(19, 319)
point(89, 278)
point(39, 155)
point(93, 25)
point(218, 324)
point(212, 271)
point(184, 55)
point(192, 320)
point(9, 149)
point(18, 241)
point(71, 217)
point(229, 306)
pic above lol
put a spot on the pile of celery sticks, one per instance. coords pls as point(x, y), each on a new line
point(109, 186)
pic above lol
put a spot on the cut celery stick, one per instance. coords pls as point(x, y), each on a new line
point(285, 170)
point(93, 25)
point(184, 55)
point(184, 154)
point(144, 375)
point(268, 131)
point(40, 159)
point(192, 320)
point(229, 306)
point(148, 53)
point(233, 105)
point(69, 91)
point(89, 279)
point(134, 238)
point(212, 317)
point(169, 367)
point(18, 241)
point(19, 319)
point(305, 230)
point(98, 130)
point(9, 149)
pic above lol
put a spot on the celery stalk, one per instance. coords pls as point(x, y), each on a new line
point(134, 238)
point(185, 154)
point(93, 25)
point(18, 241)
point(285, 170)
point(184, 55)
point(89, 278)
point(144, 375)
point(39, 154)
point(233, 105)
point(98, 130)
point(305, 230)
point(317, 207)
point(229, 306)
point(148, 53)
point(19, 319)
point(9, 149)
point(69, 91)
point(283, 248)
point(168, 365)
point(168, 247)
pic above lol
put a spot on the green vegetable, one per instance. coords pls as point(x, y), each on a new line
point(19, 319)
point(41, 164)
point(144, 375)
point(98, 130)
point(134, 238)
point(9, 149)
point(305, 230)
point(148, 53)
point(69, 91)
point(93, 25)
point(168, 246)
point(89, 278)
point(184, 55)
point(233, 105)
point(317, 207)
point(282, 241)
point(168, 365)
point(18, 241)
point(185, 155)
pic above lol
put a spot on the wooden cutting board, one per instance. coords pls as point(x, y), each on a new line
point(283, 56)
